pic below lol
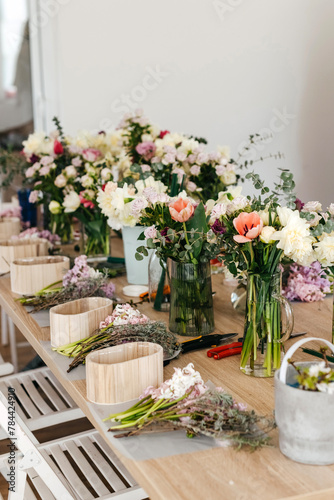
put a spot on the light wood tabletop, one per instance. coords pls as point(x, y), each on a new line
point(217, 473)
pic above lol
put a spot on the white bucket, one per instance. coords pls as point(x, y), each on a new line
point(304, 418)
point(136, 270)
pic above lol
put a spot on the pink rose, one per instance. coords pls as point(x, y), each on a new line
point(220, 169)
point(191, 186)
point(46, 160)
point(76, 161)
point(146, 149)
point(30, 172)
point(150, 232)
point(33, 197)
point(91, 154)
point(45, 170)
point(195, 170)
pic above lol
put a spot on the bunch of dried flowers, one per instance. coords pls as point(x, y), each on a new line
point(184, 401)
point(111, 335)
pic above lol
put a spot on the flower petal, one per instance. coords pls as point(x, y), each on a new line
point(241, 239)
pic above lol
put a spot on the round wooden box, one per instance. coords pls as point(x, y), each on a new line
point(121, 373)
point(77, 319)
point(11, 250)
point(29, 276)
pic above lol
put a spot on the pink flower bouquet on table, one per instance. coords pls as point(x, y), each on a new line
point(254, 235)
point(66, 173)
point(178, 230)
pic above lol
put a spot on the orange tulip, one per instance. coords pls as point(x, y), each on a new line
point(249, 226)
point(181, 210)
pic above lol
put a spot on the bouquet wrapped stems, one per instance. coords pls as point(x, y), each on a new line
point(191, 311)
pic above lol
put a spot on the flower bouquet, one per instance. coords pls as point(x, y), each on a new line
point(161, 153)
point(79, 282)
point(126, 324)
point(255, 234)
point(185, 402)
point(67, 173)
point(178, 230)
point(122, 206)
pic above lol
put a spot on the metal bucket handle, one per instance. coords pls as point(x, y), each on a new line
point(293, 349)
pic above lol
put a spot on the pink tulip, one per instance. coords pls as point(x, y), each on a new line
point(181, 210)
point(249, 226)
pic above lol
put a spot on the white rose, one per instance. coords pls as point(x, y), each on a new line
point(229, 177)
point(90, 169)
point(147, 138)
point(106, 174)
point(225, 151)
point(264, 216)
point(238, 203)
point(71, 171)
point(267, 233)
point(60, 181)
point(312, 206)
point(54, 207)
point(331, 209)
point(315, 221)
point(87, 181)
point(71, 202)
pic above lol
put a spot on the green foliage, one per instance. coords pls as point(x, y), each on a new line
point(11, 164)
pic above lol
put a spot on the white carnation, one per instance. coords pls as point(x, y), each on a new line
point(295, 239)
point(324, 250)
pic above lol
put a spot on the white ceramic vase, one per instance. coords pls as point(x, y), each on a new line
point(136, 270)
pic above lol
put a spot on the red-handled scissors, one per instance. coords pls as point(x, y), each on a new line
point(225, 350)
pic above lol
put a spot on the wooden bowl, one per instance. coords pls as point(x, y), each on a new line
point(11, 250)
point(77, 319)
point(28, 276)
point(9, 226)
point(121, 373)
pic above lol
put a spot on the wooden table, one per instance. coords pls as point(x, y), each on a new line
point(218, 473)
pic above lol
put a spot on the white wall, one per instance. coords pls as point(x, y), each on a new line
point(228, 68)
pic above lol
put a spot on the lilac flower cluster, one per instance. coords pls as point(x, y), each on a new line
point(12, 212)
point(308, 284)
point(34, 232)
point(79, 271)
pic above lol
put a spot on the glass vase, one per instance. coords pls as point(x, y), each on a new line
point(263, 333)
point(95, 238)
point(62, 224)
point(333, 319)
point(158, 286)
point(191, 308)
